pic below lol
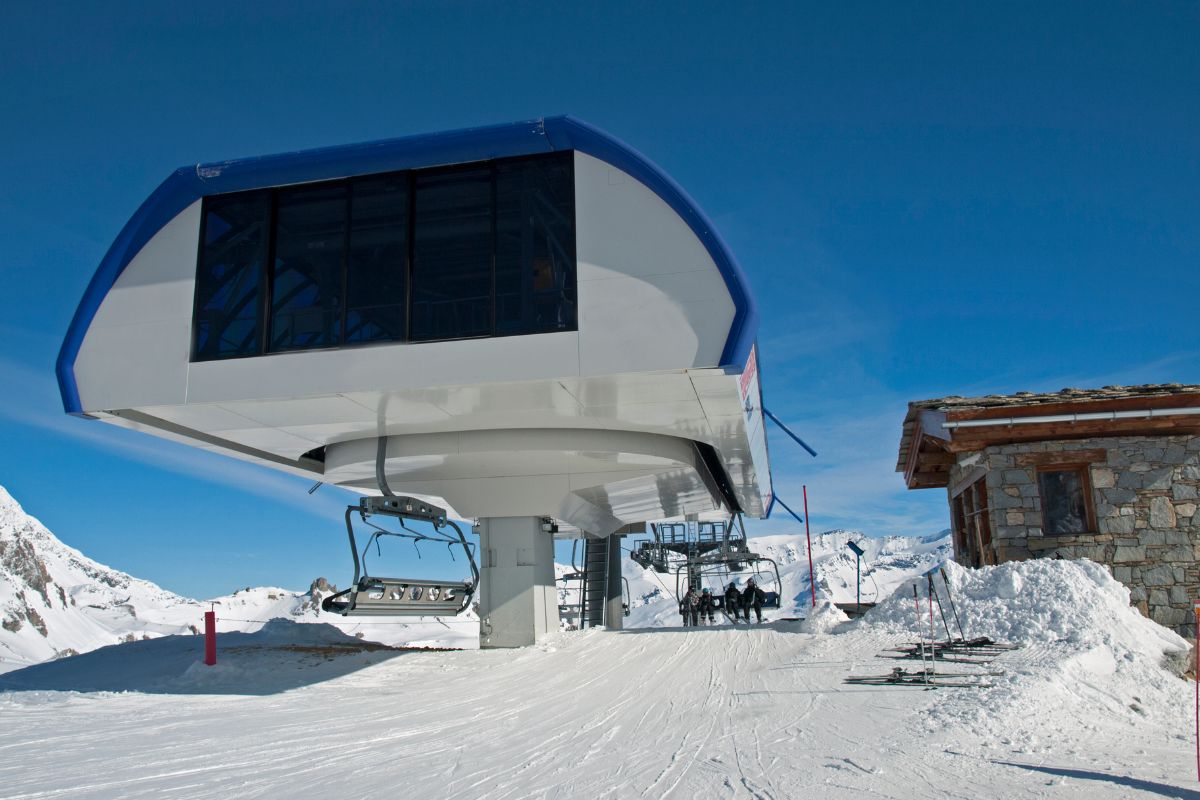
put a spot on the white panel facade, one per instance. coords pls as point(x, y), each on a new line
point(136, 350)
point(654, 314)
point(650, 296)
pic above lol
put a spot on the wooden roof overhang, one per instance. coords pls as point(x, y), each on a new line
point(934, 436)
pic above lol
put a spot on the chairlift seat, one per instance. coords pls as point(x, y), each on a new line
point(412, 597)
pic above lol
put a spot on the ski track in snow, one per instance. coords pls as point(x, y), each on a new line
point(729, 712)
point(1083, 711)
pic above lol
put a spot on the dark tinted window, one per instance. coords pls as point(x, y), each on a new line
point(229, 277)
point(535, 245)
point(482, 250)
point(452, 254)
point(306, 276)
point(377, 269)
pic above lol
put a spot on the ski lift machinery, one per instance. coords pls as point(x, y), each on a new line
point(706, 552)
point(374, 596)
point(576, 581)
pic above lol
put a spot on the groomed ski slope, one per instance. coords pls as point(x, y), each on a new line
point(1085, 710)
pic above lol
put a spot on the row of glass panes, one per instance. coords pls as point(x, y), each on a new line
point(480, 250)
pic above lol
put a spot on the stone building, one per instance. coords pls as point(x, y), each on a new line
point(1112, 475)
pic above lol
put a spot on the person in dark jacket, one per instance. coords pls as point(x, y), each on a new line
point(753, 597)
point(707, 606)
point(733, 600)
point(689, 607)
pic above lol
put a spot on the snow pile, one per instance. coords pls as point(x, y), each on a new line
point(1032, 602)
point(1083, 650)
point(824, 618)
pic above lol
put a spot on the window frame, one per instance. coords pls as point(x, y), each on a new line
point(267, 276)
point(1084, 471)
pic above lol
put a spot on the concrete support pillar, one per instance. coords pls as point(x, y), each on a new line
point(518, 604)
point(614, 611)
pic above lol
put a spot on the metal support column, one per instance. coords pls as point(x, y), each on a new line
point(518, 600)
point(614, 607)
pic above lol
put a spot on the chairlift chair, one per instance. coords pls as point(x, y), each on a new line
point(374, 596)
point(718, 572)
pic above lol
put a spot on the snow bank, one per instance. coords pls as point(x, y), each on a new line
point(823, 619)
point(1083, 651)
point(1032, 602)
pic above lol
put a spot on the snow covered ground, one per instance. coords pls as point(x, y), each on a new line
point(1085, 709)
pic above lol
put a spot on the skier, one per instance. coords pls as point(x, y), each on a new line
point(689, 607)
point(733, 599)
point(753, 597)
point(707, 605)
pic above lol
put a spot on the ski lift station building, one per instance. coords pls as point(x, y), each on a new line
point(541, 327)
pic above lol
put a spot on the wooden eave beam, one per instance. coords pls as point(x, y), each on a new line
point(970, 439)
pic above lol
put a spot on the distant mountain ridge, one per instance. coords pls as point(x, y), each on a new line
point(887, 563)
point(57, 602)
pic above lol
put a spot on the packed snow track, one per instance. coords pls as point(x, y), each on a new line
point(712, 712)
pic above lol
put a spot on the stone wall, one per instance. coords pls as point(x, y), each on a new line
point(1145, 493)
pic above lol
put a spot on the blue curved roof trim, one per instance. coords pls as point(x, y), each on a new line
point(188, 184)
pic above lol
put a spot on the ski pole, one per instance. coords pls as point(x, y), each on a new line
point(934, 593)
point(950, 597)
point(917, 604)
point(932, 635)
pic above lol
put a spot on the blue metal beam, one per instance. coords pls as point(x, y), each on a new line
point(775, 500)
point(788, 431)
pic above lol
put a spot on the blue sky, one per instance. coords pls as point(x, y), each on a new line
point(928, 199)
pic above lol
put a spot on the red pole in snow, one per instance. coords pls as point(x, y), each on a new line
point(210, 638)
point(812, 584)
point(1196, 673)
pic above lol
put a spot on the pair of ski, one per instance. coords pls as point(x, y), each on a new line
point(981, 647)
point(943, 656)
point(926, 678)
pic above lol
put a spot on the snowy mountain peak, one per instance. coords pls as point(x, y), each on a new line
point(56, 601)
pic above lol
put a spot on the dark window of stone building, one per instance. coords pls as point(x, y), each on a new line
point(1065, 505)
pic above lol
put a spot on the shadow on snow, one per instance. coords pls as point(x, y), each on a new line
point(1164, 789)
point(283, 655)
